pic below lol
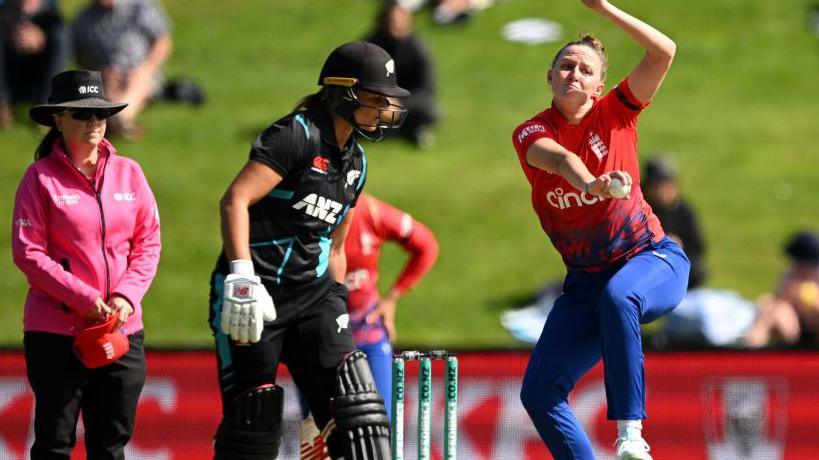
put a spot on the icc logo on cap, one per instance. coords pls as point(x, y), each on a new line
point(89, 89)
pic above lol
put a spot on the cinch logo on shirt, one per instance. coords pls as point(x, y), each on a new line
point(318, 206)
point(531, 129)
point(61, 200)
point(321, 165)
point(561, 200)
point(127, 196)
point(598, 147)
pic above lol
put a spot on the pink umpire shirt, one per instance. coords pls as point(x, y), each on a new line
point(77, 239)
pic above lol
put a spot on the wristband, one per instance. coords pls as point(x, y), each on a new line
point(242, 267)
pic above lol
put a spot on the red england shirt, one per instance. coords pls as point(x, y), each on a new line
point(591, 233)
point(375, 223)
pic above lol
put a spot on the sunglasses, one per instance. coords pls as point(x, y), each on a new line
point(86, 114)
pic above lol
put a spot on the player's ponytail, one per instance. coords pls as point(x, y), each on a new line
point(47, 144)
point(308, 102)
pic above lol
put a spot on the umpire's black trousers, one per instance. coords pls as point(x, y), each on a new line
point(62, 387)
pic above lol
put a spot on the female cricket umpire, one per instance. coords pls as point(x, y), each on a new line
point(579, 156)
point(276, 292)
point(86, 236)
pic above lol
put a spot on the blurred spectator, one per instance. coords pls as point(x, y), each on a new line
point(413, 66)
point(33, 48)
point(659, 184)
point(449, 12)
point(791, 315)
point(706, 318)
point(128, 41)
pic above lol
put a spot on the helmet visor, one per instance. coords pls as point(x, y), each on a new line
point(390, 118)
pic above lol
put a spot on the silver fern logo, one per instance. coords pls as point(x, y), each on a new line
point(343, 321)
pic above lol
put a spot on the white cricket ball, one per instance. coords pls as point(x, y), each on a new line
point(618, 189)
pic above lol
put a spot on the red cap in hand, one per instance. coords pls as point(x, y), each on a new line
point(100, 344)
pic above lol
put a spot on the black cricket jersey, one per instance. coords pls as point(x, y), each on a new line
point(290, 227)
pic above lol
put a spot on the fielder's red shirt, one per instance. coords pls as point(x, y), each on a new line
point(375, 223)
point(591, 233)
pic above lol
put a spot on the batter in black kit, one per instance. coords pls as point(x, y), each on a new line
point(276, 292)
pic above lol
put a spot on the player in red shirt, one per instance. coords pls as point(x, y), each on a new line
point(622, 269)
point(372, 318)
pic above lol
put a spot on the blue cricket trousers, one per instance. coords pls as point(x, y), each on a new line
point(599, 316)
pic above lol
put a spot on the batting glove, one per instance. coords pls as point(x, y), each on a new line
point(246, 307)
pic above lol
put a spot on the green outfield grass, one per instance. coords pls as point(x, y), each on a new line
point(738, 112)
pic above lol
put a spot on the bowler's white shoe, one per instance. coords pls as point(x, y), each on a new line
point(632, 449)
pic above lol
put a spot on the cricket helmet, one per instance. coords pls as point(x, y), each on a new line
point(364, 66)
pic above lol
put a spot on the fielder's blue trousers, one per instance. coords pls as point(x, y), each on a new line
point(599, 316)
point(379, 355)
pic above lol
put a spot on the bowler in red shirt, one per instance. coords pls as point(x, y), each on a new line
point(580, 157)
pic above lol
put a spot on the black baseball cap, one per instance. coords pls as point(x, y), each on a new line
point(362, 65)
point(74, 89)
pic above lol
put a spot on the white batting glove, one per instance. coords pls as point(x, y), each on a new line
point(246, 304)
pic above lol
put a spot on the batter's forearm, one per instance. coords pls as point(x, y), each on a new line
point(338, 265)
point(235, 229)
